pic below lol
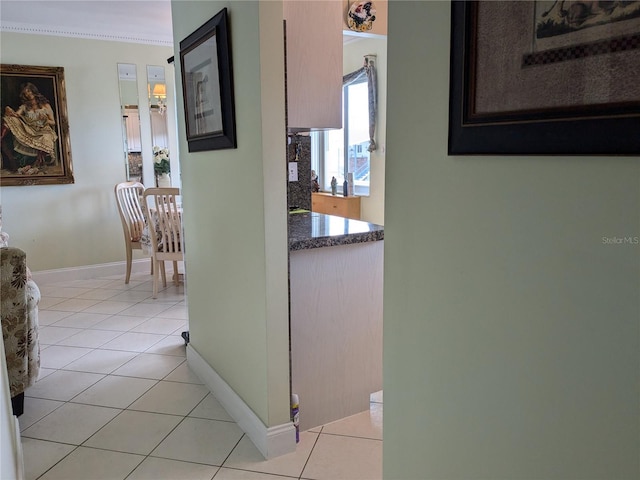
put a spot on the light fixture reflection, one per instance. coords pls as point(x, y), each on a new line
point(160, 90)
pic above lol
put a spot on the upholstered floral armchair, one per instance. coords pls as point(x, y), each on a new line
point(4, 236)
point(19, 298)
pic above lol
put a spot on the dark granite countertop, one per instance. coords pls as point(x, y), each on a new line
point(316, 230)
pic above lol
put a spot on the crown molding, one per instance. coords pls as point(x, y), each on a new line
point(85, 34)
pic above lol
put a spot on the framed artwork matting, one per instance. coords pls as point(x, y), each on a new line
point(207, 86)
point(544, 77)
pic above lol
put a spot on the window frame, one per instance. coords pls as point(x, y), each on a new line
point(318, 150)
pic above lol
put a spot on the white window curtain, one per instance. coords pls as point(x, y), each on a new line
point(368, 70)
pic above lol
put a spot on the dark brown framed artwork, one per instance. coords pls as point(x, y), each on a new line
point(36, 149)
point(207, 86)
point(544, 78)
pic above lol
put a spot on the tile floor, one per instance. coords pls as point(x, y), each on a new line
point(116, 400)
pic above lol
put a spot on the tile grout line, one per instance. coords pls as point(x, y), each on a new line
point(311, 452)
point(56, 463)
point(149, 455)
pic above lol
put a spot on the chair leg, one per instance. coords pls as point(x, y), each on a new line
point(163, 273)
point(176, 277)
point(155, 280)
point(129, 259)
point(17, 404)
point(151, 265)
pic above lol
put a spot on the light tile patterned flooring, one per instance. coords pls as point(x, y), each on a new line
point(116, 400)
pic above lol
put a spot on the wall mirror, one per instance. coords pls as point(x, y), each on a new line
point(157, 91)
point(127, 80)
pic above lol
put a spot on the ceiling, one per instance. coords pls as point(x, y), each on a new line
point(134, 21)
point(137, 21)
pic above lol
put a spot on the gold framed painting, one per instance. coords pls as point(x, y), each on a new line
point(35, 143)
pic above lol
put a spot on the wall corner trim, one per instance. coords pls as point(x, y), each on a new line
point(271, 441)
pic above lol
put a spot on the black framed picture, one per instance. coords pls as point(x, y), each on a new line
point(544, 77)
point(36, 149)
point(207, 86)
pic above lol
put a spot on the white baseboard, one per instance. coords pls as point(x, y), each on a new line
point(271, 441)
point(86, 272)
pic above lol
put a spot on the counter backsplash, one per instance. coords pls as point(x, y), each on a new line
point(299, 193)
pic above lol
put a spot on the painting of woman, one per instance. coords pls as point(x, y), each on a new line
point(32, 128)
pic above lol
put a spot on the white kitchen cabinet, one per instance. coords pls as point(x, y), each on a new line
point(336, 329)
point(314, 64)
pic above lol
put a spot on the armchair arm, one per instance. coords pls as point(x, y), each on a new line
point(19, 299)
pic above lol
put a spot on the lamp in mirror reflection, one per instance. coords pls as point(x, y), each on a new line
point(160, 92)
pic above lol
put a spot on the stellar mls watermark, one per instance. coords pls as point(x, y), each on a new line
point(615, 240)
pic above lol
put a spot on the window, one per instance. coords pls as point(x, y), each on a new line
point(336, 153)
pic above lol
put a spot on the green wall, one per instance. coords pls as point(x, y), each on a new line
point(236, 216)
point(511, 331)
point(64, 226)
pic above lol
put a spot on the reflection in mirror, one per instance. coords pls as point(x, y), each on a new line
point(127, 79)
point(157, 89)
